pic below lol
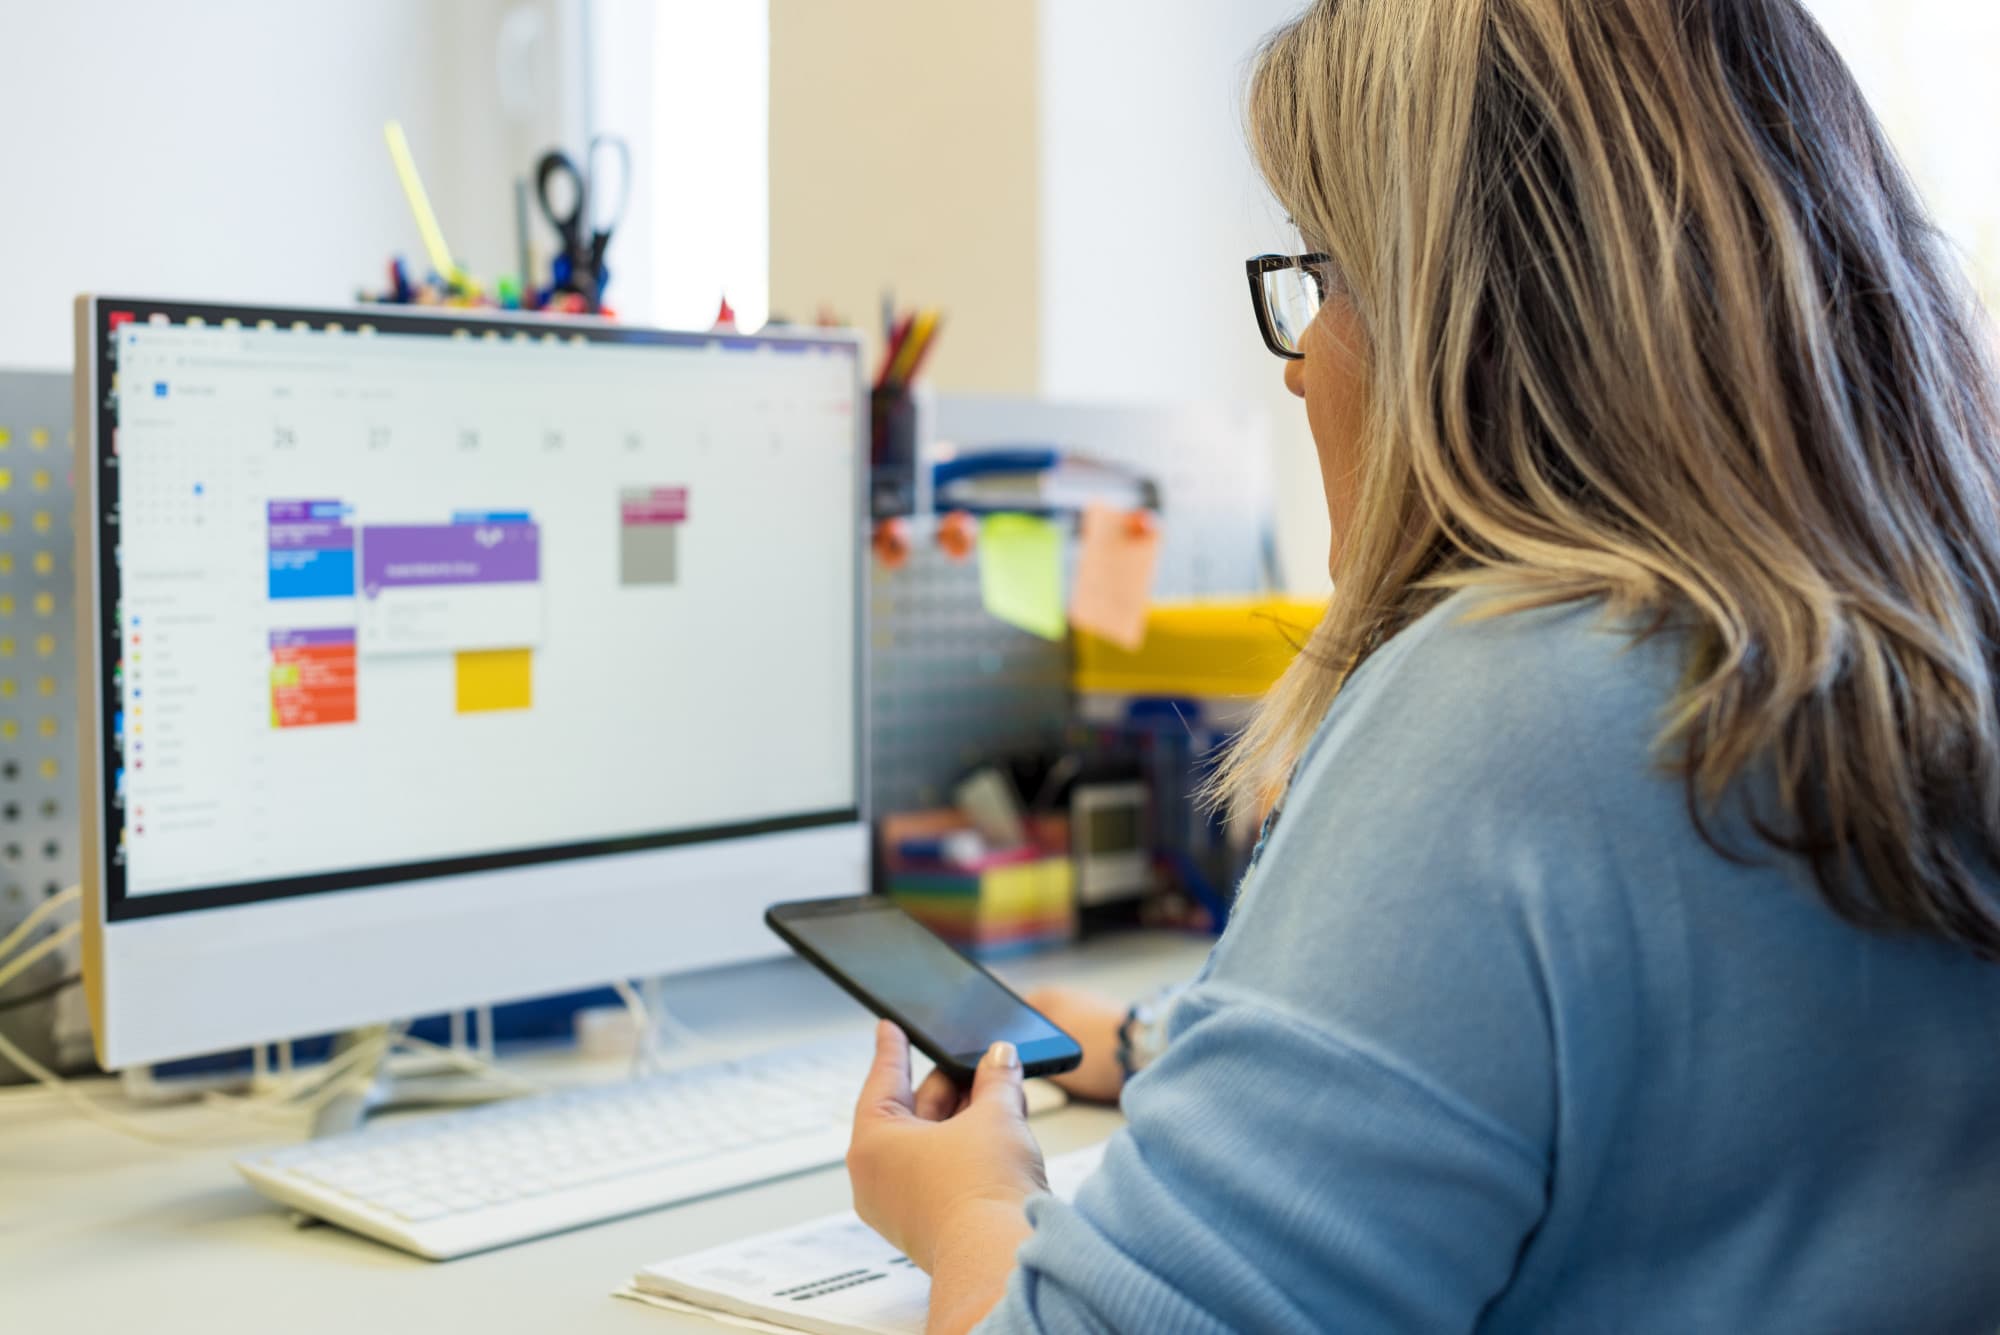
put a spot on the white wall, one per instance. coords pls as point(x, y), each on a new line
point(1927, 66)
point(1150, 205)
point(233, 149)
point(687, 84)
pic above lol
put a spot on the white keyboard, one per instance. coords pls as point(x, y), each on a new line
point(460, 1182)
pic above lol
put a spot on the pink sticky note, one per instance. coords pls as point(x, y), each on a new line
point(1114, 576)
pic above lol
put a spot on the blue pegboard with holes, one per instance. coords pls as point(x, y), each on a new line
point(38, 673)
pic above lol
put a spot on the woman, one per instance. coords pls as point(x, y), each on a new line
point(1622, 957)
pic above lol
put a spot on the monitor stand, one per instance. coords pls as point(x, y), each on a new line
point(400, 1082)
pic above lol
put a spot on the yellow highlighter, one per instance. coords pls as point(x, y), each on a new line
point(420, 205)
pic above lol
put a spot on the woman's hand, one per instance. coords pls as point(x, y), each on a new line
point(943, 1162)
point(1092, 1021)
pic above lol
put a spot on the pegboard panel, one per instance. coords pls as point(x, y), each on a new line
point(38, 676)
point(1212, 463)
point(949, 685)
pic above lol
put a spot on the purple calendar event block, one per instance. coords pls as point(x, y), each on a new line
point(319, 525)
point(427, 555)
point(311, 639)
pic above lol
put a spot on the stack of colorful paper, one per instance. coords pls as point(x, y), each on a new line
point(996, 905)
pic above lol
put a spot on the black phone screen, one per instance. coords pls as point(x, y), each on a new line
point(891, 956)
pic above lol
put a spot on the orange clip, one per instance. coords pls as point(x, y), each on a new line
point(1141, 524)
point(891, 543)
point(957, 535)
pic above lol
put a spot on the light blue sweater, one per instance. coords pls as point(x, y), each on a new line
point(1496, 1042)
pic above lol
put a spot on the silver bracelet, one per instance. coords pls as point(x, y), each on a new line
point(1143, 1035)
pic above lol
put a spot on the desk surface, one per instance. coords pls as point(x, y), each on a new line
point(101, 1233)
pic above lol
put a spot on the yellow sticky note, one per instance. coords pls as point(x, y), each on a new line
point(1020, 573)
point(491, 679)
point(1114, 575)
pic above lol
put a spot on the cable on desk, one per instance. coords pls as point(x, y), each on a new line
point(22, 960)
point(292, 1103)
point(90, 1107)
point(652, 1015)
point(472, 1062)
point(645, 1043)
point(664, 1017)
point(37, 916)
point(284, 1101)
point(40, 993)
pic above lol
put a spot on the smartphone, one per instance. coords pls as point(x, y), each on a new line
point(952, 1009)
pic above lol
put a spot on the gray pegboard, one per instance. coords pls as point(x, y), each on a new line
point(38, 704)
point(950, 686)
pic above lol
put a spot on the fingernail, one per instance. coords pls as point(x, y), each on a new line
point(1003, 1056)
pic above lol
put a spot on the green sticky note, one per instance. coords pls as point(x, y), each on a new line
point(1020, 573)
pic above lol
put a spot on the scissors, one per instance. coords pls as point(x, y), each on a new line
point(585, 230)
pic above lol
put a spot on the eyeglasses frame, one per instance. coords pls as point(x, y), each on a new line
point(1311, 264)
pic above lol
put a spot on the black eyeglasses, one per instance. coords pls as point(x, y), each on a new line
point(1287, 291)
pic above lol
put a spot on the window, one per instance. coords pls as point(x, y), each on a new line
point(687, 82)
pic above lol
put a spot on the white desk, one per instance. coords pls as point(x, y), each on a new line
point(100, 1233)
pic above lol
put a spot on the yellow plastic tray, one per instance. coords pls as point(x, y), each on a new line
point(1213, 647)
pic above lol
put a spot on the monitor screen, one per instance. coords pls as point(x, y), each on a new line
point(390, 597)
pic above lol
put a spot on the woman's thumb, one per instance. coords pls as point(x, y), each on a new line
point(999, 1077)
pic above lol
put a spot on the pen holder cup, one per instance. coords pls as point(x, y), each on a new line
point(892, 453)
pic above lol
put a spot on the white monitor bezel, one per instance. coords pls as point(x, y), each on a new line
point(226, 976)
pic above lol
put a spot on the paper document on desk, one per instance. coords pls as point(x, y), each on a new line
point(832, 1276)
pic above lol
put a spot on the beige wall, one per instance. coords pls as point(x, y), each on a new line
point(903, 151)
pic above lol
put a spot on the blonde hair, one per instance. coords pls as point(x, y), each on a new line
point(1655, 316)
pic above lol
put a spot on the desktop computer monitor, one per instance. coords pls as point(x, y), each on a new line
point(433, 659)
